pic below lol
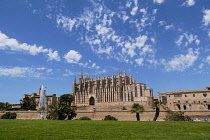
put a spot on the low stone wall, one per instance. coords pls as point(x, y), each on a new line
point(121, 115)
point(24, 114)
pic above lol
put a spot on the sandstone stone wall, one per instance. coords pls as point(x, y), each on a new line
point(121, 115)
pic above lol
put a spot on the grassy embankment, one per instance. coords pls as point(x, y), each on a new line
point(53, 129)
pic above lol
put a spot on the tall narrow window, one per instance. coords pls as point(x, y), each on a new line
point(193, 95)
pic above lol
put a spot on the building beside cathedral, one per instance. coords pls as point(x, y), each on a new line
point(110, 90)
point(186, 99)
point(51, 99)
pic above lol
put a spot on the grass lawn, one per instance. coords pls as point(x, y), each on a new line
point(60, 130)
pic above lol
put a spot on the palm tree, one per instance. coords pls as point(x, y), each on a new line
point(137, 108)
point(156, 106)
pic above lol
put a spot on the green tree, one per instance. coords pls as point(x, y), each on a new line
point(62, 109)
point(28, 103)
point(137, 108)
point(156, 105)
point(67, 98)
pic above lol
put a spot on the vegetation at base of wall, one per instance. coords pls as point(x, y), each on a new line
point(84, 118)
point(109, 117)
point(89, 130)
point(124, 108)
point(137, 108)
point(9, 115)
point(177, 116)
point(62, 110)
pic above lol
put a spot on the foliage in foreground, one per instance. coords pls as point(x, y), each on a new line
point(9, 115)
point(84, 118)
point(177, 116)
point(109, 117)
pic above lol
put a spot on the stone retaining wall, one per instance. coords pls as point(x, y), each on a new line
point(121, 115)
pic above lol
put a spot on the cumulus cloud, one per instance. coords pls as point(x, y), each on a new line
point(182, 62)
point(206, 17)
point(13, 45)
point(72, 56)
point(158, 1)
point(24, 72)
point(188, 3)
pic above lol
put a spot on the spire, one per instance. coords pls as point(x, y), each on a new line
point(81, 75)
point(125, 73)
point(75, 79)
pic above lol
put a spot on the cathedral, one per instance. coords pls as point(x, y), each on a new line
point(110, 90)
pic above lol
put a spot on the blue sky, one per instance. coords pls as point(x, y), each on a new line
point(162, 43)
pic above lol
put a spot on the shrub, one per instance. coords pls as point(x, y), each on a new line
point(9, 115)
point(84, 118)
point(109, 117)
point(177, 116)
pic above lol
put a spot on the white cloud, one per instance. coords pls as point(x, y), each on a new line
point(208, 59)
point(154, 11)
point(209, 34)
point(182, 62)
point(106, 50)
point(68, 72)
point(53, 55)
point(139, 61)
point(158, 1)
point(134, 11)
point(13, 45)
point(188, 3)
point(23, 72)
point(72, 56)
point(162, 23)
point(168, 27)
point(206, 17)
point(185, 39)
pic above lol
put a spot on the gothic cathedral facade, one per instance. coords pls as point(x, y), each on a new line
point(115, 90)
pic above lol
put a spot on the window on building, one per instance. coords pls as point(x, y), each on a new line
point(194, 102)
point(186, 101)
point(185, 95)
point(193, 95)
point(177, 95)
point(178, 101)
point(199, 102)
point(204, 101)
point(204, 94)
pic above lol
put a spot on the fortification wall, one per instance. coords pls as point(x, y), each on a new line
point(32, 115)
point(122, 115)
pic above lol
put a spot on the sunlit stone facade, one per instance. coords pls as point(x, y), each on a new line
point(115, 90)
